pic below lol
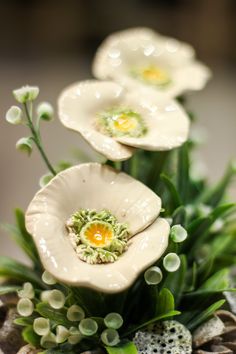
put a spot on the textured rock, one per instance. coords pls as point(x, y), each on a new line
point(10, 334)
point(168, 337)
point(217, 335)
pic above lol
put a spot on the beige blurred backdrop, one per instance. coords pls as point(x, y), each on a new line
point(51, 44)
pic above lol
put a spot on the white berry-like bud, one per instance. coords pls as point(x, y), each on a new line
point(26, 93)
point(14, 115)
point(45, 111)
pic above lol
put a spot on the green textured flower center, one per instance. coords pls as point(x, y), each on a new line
point(97, 237)
point(121, 122)
point(152, 75)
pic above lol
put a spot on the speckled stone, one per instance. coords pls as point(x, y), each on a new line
point(168, 337)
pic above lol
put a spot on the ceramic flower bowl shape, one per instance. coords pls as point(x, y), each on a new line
point(98, 188)
point(140, 57)
point(115, 121)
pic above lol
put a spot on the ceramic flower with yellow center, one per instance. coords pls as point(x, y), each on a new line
point(114, 121)
point(97, 227)
point(142, 58)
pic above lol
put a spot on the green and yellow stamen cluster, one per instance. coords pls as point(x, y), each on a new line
point(97, 237)
point(152, 75)
point(121, 122)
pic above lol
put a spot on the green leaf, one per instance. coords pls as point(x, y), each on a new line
point(175, 281)
point(198, 230)
point(213, 196)
point(7, 289)
point(151, 321)
point(12, 269)
point(31, 337)
point(165, 302)
point(24, 321)
point(204, 315)
point(21, 236)
point(175, 198)
point(123, 348)
point(218, 280)
point(179, 216)
point(58, 317)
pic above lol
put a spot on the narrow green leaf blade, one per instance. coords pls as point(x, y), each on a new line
point(204, 315)
point(12, 269)
point(123, 348)
point(7, 289)
point(151, 321)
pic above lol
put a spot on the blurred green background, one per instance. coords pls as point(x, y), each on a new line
point(51, 44)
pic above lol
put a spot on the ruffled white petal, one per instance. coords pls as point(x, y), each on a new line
point(78, 106)
point(124, 50)
point(167, 123)
point(94, 186)
point(61, 261)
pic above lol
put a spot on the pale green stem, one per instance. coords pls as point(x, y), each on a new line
point(37, 140)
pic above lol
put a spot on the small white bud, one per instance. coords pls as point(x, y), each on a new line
point(62, 334)
point(171, 262)
point(26, 93)
point(27, 291)
point(14, 115)
point(56, 299)
point(48, 341)
point(47, 278)
point(153, 275)
point(75, 313)
point(25, 307)
point(178, 233)
point(24, 145)
point(45, 111)
point(45, 179)
point(41, 326)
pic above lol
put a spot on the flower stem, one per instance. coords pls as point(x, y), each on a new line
point(37, 140)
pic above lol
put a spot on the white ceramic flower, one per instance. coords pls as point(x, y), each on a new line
point(114, 120)
point(140, 57)
point(97, 187)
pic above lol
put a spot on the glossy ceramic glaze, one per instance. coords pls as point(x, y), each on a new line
point(79, 104)
point(124, 50)
point(95, 186)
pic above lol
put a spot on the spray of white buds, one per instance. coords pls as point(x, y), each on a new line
point(25, 307)
point(110, 337)
point(113, 320)
point(14, 115)
point(153, 275)
point(45, 111)
point(171, 262)
point(178, 233)
point(26, 93)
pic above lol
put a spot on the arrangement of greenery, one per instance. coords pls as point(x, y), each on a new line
point(163, 308)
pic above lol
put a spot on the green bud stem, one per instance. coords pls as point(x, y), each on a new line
point(37, 140)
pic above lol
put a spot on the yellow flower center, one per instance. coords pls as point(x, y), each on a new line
point(152, 75)
point(125, 123)
point(97, 234)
